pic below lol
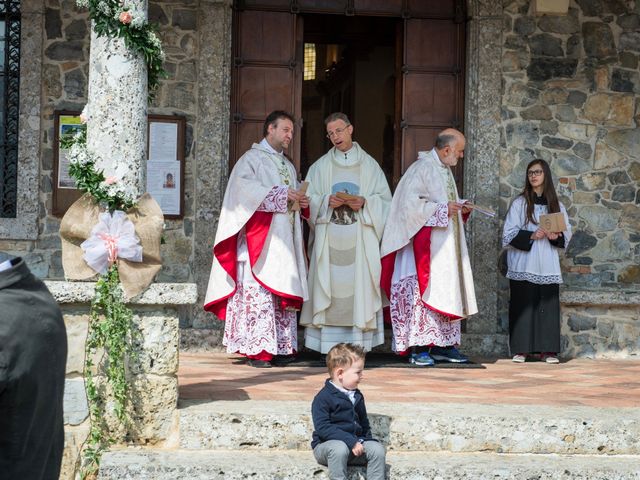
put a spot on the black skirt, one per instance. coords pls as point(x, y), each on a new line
point(534, 317)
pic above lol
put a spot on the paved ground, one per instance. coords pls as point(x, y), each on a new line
point(595, 383)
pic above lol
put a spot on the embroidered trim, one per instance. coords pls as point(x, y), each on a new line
point(255, 322)
point(506, 239)
point(275, 201)
point(440, 218)
point(415, 324)
point(533, 278)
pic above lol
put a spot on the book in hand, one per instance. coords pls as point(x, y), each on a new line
point(303, 190)
point(553, 222)
point(347, 197)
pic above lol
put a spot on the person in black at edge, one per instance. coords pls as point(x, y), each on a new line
point(33, 356)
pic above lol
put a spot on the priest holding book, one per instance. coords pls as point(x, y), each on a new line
point(349, 202)
point(426, 272)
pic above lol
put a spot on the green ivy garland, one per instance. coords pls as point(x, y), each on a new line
point(110, 320)
point(114, 18)
point(110, 330)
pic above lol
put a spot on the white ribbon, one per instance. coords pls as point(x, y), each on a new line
point(111, 238)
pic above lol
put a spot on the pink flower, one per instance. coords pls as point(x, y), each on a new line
point(83, 118)
point(125, 18)
point(110, 180)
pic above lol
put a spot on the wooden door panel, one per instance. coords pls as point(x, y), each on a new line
point(384, 7)
point(325, 6)
point(263, 90)
point(435, 44)
point(431, 9)
point(283, 5)
point(432, 79)
point(266, 75)
point(416, 140)
point(248, 133)
point(264, 37)
point(429, 99)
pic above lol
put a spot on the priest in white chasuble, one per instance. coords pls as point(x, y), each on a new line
point(426, 272)
point(349, 202)
point(258, 279)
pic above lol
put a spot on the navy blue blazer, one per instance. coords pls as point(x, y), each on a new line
point(336, 418)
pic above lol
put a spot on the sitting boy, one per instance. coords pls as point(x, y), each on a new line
point(342, 434)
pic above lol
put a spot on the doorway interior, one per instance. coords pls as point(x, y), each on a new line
point(349, 67)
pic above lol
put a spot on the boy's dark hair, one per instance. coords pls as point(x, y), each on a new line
point(343, 355)
point(272, 119)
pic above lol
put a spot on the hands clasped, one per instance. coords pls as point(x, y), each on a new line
point(541, 233)
point(354, 204)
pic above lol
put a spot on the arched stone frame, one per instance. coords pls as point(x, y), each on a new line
point(481, 176)
point(25, 225)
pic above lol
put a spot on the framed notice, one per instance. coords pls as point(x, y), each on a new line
point(64, 187)
point(165, 164)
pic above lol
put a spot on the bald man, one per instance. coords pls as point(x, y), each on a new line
point(426, 272)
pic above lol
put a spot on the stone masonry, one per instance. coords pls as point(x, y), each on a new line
point(153, 372)
point(571, 97)
point(564, 88)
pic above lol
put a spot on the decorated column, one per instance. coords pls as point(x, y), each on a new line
point(117, 101)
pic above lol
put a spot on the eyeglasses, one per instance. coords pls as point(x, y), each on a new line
point(534, 173)
point(337, 131)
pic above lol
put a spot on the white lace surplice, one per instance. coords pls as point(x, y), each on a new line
point(413, 323)
point(540, 265)
point(255, 321)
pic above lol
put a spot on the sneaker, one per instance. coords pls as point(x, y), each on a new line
point(519, 358)
point(549, 358)
point(447, 354)
point(421, 359)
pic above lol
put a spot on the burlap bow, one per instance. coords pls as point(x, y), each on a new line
point(76, 227)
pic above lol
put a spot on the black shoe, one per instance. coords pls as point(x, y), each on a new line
point(283, 360)
point(260, 363)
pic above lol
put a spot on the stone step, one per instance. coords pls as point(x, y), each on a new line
point(148, 464)
point(263, 425)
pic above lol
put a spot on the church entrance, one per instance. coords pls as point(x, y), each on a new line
point(395, 67)
point(348, 69)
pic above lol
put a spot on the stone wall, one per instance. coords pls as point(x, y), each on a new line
point(65, 64)
point(153, 373)
point(600, 324)
point(571, 96)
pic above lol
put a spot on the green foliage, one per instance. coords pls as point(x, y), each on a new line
point(110, 331)
point(88, 179)
point(140, 37)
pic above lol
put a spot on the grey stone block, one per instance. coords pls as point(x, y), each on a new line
point(144, 464)
point(260, 425)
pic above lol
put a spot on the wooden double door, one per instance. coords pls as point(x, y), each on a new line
point(267, 70)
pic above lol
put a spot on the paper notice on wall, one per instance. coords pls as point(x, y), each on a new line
point(163, 141)
point(163, 183)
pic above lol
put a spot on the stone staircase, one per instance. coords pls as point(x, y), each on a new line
point(264, 440)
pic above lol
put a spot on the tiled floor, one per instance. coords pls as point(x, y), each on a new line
point(595, 383)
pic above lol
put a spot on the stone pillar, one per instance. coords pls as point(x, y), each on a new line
point(212, 155)
point(481, 169)
point(117, 102)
